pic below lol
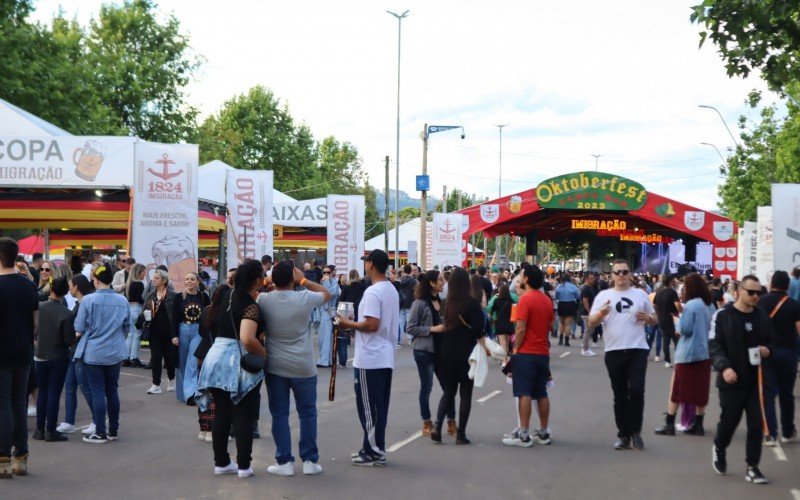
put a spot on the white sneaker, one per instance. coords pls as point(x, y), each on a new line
point(65, 428)
point(202, 436)
point(286, 469)
point(171, 386)
point(588, 352)
point(657, 359)
point(310, 468)
point(790, 439)
point(667, 365)
point(31, 411)
point(209, 438)
point(231, 468)
point(89, 430)
point(243, 473)
point(154, 389)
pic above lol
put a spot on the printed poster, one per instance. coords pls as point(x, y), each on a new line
point(250, 215)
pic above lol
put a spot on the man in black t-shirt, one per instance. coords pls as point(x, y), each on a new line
point(780, 370)
point(668, 306)
point(486, 284)
point(19, 305)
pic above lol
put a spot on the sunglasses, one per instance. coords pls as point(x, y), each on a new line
point(622, 272)
point(326, 272)
point(46, 269)
point(753, 293)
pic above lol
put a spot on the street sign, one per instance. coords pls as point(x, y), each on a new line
point(423, 183)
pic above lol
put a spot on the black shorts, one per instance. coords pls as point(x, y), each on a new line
point(567, 309)
point(529, 375)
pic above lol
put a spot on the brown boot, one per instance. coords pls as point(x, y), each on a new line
point(19, 465)
point(451, 427)
point(5, 468)
point(427, 427)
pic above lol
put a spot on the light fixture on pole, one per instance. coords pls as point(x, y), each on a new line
point(723, 121)
point(717, 150)
point(596, 158)
point(499, 238)
point(400, 18)
point(423, 208)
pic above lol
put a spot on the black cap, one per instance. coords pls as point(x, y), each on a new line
point(379, 259)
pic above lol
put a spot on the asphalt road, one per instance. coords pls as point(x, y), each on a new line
point(158, 455)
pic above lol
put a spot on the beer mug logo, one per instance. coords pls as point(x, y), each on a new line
point(178, 254)
point(514, 204)
point(88, 160)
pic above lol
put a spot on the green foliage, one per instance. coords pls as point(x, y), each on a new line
point(754, 34)
point(453, 196)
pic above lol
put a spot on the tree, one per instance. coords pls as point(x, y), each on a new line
point(467, 200)
point(254, 131)
point(763, 34)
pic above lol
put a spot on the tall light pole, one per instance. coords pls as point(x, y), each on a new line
point(723, 121)
point(423, 208)
point(717, 150)
point(499, 238)
point(400, 18)
point(596, 158)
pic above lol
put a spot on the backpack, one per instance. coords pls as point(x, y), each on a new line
point(406, 288)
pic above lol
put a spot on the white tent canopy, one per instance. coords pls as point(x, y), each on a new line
point(213, 176)
point(408, 232)
point(18, 122)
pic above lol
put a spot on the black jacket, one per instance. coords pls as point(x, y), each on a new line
point(728, 348)
point(169, 303)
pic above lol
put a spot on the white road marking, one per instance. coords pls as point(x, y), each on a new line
point(565, 354)
point(350, 360)
point(489, 396)
point(779, 454)
point(137, 376)
point(796, 494)
point(404, 442)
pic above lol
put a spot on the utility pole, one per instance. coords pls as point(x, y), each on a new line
point(422, 253)
point(596, 158)
point(400, 18)
point(444, 199)
point(499, 239)
point(386, 209)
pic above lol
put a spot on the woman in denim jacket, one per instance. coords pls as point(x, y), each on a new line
point(692, 378)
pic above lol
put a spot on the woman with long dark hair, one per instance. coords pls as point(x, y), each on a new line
point(234, 389)
point(499, 308)
point(425, 326)
point(209, 330)
point(692, 378)
point(463, 329)
point(134, 289)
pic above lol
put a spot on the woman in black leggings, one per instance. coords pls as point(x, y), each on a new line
point(160, 304)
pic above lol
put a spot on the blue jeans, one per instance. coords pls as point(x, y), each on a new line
point(341, 351)
point(76, 377)
point(402, 323)
point(186, 374)
point(653, 333)
point(104, 383)
point(325, 338)
point(133, 340)
point(51, 376)
point(426, 365)
point(13, 410)
point(305, 399)
point(780, 372)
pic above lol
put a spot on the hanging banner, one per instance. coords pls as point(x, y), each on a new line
point(63, 162)
point(750, 247)
point(346, 233)
point(249, 200)
point(787, 226)
point(301, 213)
point(164, 219)
point(740, 244)
point(412, 251)
point(765, 253)
point(447, 242)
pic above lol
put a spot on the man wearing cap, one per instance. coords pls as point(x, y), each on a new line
point(375, 335)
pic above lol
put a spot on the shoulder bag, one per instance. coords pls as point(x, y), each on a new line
point(250, 362)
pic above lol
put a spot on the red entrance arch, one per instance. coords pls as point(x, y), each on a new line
point(606, 197)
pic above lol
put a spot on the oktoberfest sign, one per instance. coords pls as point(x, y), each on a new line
point(346, 233)
point(164, 219)
point(249, 200)
point(591, 191)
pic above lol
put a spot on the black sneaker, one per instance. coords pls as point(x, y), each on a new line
point(364, 459)
point(55, 436)
point(113, 435)
point(637, 442)
point(135, 363)
point(126, 363)
point(755, 476)
point(542, 437)
point(718, 462)
point(623, 443)
point(96, 438)
point(38, 434)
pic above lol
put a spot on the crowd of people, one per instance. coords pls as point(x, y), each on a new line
point(70, 328)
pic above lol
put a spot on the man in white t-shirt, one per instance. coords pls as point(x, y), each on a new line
point(624, 311)
point(375, 338)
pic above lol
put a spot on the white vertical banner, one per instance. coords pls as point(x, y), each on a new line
point(765, 253)
point(750, 242)
point(447, 242)
point(346, 233)
point(740, 247)
point(164, 219)
point(248, 195)
point(412, 251)
point(787, 226)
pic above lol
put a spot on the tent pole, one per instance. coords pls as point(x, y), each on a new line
point(46, 244)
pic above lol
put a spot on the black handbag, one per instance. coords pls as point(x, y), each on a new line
point(250, 362)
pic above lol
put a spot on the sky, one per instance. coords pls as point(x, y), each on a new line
point(620, 79)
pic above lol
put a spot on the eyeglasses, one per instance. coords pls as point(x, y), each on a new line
point(622, 272)
point(326, 272)
point(753, 293)
point(45, 269)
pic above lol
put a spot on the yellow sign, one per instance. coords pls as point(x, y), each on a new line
point(277, 232)
point(600, 224)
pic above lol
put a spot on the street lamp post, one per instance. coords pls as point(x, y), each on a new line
point(596, 158)
point(723, 121)
point(717, 150)
point(423, 208)
point(400, 18)
point(499, 238)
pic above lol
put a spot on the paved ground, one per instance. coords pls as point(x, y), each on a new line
point(158, 455)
